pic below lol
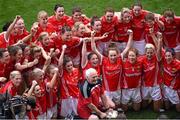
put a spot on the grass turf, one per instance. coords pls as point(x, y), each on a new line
point(28, 9)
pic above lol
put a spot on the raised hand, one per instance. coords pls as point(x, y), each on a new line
point(159, 35)
point(93, 33)
point(34, 83)
point(129, 31)
point(64, 47)
point(36, 61)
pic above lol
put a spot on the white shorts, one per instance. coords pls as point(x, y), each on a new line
point(153, 93)
point(133, 94)
point(140, 46)
point(68, 106)
point(42, 116)
point(177, 48)
point(171, 95)
point(51, 112)
point(121, 46)
point(114, 95)
point(103, 46)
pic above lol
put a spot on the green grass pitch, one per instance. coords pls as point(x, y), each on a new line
point(28, 9)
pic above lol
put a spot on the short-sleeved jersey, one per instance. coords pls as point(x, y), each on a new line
point(52, 96)
point(89, 65)
point(41, 61)
point(72, 46)
point(132, 74)
point(108, 27)
point(2, 70)
point(171, 32)
point(58, 24)
point(18, 37)
point(43, 98)
point(89, 94)
point(49, 29)
point(48, 47)
point(39, 109)
point(10, 88)
point(88, 44)
point(121, 34)
point(71, 22)
point(148, 38)
point(69, 83)
point(3, 42)
point(171, 73)
point(138, 26)
point(111, 73)
point(151, 72)
point(9, 68)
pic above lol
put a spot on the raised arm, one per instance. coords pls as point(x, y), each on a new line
point(11, 27)
point(84, 58)
point(28, 37)
point(93, 47)
point(27, 65)
point(60, 63)
point(153, 37)
point(34, 83)
point(87, 39)
point(53, 80)
point(129, 44)
point(24, 40)
point(47, 63)
point(105, 35)
point(159, 46)
point(44, 54)
point(159, 22)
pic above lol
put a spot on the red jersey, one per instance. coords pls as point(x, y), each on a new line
point(171, 74)
point(52, 97)
point(97, 68)
point(138, 26)
point(89, 94)
point(43, 98)
point(88, 44)
point(48, 47)
point(3, 42)
point(41, 61)
point(41, 105)
point(132, 74)
point(148, 38)
point(18, 37)
point(9, 68)
point(111, 74)
point(69, 83)
point(58, 24)
point(72, 47)
point(10, 88)
point(171, 32)
point(71, 22)
point(121, 34)
point(108, 27)
point(38, 110)
point(2, 70)
point(151, 72)
point(49, 28)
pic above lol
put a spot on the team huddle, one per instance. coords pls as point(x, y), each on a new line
point(87, 66)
